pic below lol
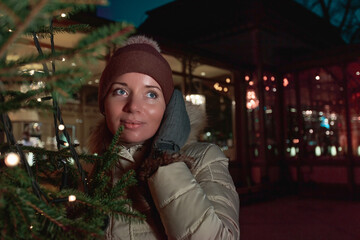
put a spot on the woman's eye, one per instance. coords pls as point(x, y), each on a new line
point(151, 95)
point(120, 92)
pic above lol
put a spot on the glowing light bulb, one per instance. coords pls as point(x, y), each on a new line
point(12, 159)
point(61, 127)
point(317, 151)
point(292, 152)
point(72, 198)
point(285, 82)
point(333, 151)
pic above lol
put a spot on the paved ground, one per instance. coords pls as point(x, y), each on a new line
point(293, 218)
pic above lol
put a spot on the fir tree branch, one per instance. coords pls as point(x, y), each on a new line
point(91, 2)
point(23, 25)
point(10, 13)
point(62, 74)
point(21, 213)
point(126, 30)
point(45, 32)
point(46, 215)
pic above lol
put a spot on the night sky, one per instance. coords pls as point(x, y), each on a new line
point(131, 11)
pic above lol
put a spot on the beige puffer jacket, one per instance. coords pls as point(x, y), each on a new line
point(201, 203)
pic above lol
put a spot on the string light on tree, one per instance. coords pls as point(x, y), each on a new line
point(12, 159)
point(61, 127)
point(72, 198)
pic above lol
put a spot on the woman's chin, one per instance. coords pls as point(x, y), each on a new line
point(131, 141)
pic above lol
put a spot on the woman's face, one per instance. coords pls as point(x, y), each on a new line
point(135, 101)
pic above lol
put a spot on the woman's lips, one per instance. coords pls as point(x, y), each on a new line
point(131, 124)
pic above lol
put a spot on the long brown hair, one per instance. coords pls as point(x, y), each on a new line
point(100, 138)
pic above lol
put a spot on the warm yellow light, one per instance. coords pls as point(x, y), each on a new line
point(226, 89)
point(251, 83)
point(251, 100)
point(12, 159)
point(196, 99)
point(72, 198)
point(285, 82)
point(247, 78)
point(265, 78)
point(317, 77)
point(61, 127)
point(228, 80)
point(63, 14)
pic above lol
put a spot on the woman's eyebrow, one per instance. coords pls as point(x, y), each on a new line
point(120, 83)
point(152, 86)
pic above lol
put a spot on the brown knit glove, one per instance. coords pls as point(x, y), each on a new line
point(151, 165)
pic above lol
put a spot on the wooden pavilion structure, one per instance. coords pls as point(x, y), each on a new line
point(281, 39)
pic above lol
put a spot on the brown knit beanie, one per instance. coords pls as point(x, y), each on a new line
point(142, 55)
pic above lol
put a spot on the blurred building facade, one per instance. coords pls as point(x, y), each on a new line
point(293, 89)
point(279, 86)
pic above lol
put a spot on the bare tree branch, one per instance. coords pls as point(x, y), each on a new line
point(346, 13)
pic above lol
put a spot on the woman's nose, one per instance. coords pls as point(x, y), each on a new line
point(133, 104)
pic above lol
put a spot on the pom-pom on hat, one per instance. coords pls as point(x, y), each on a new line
point(142, 55)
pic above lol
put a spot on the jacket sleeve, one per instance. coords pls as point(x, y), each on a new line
point(202, 204)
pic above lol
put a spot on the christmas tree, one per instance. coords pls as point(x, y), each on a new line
point(53, 197)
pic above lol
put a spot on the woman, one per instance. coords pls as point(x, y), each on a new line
point(185, 189)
